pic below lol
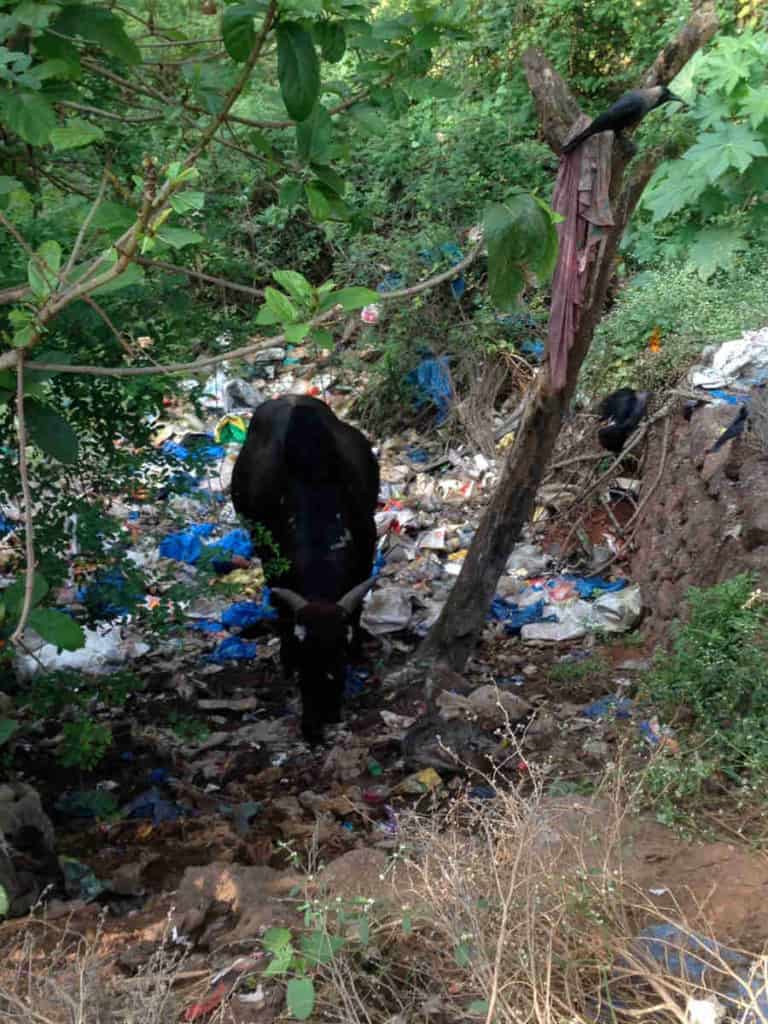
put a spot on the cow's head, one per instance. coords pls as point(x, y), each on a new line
point(320, 639)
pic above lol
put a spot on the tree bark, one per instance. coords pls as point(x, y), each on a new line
point(455, 633)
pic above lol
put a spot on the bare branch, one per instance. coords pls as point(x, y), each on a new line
point(432, 282)
point(695, 33)
point(29, 529)
point(86, 223)
point(97, 112)
point(171, 368)
point(222, 282)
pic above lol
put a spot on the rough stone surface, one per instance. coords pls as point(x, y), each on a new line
point(706, 521)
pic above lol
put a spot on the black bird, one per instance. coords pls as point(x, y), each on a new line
point(691, 407)
point(626, 112)
point(621, 411)
point(735, 428)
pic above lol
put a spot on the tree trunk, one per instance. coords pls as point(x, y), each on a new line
point(455, 633)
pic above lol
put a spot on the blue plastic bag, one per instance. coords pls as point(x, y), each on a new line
point(432, 381)
point(247, 613)
point(516, 617)
point(238, 542)
point(182, 547)
point(233, 649)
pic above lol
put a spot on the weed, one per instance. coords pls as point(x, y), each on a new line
point(578, 671)
point(84, 744)
point(187, 728)
point(717, 672)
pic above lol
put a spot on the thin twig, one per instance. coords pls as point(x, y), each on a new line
point(87, 223)
point(649, 493)
point(97, 112)
point(173, 268)
point(29, 529)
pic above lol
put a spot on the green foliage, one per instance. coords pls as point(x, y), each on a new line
point(84, 744)
point(4, 902)
point(519, 234)
point(298, 69)
point(53, 626)
point(711, 196)
point(690, 314)
point(717, 669)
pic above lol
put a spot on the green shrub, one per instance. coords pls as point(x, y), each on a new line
point(690, 314)
point(717, 670)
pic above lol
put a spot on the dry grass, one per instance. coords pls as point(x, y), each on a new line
point(514, 914)
point(511, 911)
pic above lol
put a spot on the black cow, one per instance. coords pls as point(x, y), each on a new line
point(313, 482)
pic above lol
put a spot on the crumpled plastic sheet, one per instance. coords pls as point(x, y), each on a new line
point(187, 546)
point(619, 707)
point(703, 962)
point(242, 614)
point(737, 364)
point(432, 381)
point(515, 616)
point(103, 594)
point(233, 649)
point(152, 804)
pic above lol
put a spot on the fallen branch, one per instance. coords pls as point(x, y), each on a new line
point(29, 529)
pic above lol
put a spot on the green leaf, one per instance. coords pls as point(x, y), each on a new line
point(672, 188)
point(184, 202)
point(518, 234)
point(276, 938)
point(13, 596)
point(4, 902)
point(133, 274)
point(42, 280)
point(238, 31)
point(280, 962)
point(98, 25)
point(280, 305)
point(478, 1006)
point(320, 947)
point(51, 432)
point(55, 48)
point(266, 318)
point(715, 248)
point(330, 178)
point(34, 14)
point(366, 117)
point(7, 728)
point(178, 238)
point(324, 202)
point(74, 134)
point(755, 106)
point(30, 116)
point(57, 628)
point(733, 145)
point(297, 286)
point(463, 954)
point(290, 192)
point(298, 70)
point(313, 136)
point(332, 37)
point(321, 338)
point(300, 998)
point(8, 185)
point(296, 333)
point(113, 216)
point(319, 206)
point(426, 38)
point(351, 298)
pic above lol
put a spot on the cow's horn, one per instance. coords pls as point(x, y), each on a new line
point(355, 596)
point(290, 598)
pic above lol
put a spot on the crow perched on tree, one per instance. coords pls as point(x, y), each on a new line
point(626, 112)
point(621, 411)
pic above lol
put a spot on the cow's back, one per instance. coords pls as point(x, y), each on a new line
point(313, 482)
